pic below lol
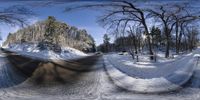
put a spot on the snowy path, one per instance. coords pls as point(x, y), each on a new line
point(52, 81)
point(92, 84)
point(151, 70)
point(171, 82)
point(9, 75)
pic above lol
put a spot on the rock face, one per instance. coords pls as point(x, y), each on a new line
point(63, 35)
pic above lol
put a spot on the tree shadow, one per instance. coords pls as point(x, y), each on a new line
point(64, 71)
point(194, 81)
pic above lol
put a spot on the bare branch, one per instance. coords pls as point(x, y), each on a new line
point(15, 15)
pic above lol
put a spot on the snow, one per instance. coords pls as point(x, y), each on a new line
point(197, 55)
point(71, 52)
point(149, 78)
point(149, 69)
point(131, 63)
point(31, 49)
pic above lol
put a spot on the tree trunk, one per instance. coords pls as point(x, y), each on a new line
point(180, 38)
point(167, 34)
point(135, 45)
point(167, 47)
point(149, 41)
point(177, 48)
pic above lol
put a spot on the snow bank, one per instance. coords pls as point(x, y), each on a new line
point(126, 64)
point(167, 83)
point(31, 49)
point(68, 52)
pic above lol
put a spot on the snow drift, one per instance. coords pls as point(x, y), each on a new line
point(167, 83)
point(31, 49)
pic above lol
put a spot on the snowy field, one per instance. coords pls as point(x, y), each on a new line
point(148, 69)
point(152, 77)
point(30, 49)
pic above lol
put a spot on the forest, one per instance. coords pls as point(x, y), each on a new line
point(171, 28)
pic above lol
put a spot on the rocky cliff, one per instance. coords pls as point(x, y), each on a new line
point(62, 35)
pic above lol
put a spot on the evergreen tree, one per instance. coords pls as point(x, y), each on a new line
point(50, 26)
point(106, 41)
point(156, 36)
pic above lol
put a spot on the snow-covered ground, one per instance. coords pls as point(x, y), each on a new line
point(145, 68)
point(144, 58)
point(30, 49)
point(152, 77)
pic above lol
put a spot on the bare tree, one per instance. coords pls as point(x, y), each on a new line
point(177, 17)
point(120, 15)
point(164, 14)
point(135, 36)
point(185, 22)
point(170, 16)
point(181, 18)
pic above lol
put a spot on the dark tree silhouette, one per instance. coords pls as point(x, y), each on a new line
point(170, 16)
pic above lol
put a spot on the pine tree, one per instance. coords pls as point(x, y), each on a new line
point(156, 36)
point(49, 31)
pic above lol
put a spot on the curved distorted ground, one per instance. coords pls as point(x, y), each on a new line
point(79, 79)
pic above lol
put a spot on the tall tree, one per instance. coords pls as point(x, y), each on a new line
point(106, 41)
point(182, 17)
point(156, 36)
point(50, 26)
point(133, 33)
point(119, 14)
point(173, 15)
point(165, 14)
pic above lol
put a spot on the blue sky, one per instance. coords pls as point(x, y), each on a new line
point(83, 19)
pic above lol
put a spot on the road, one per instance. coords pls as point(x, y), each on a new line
point(25, 78)
point(82, 78)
